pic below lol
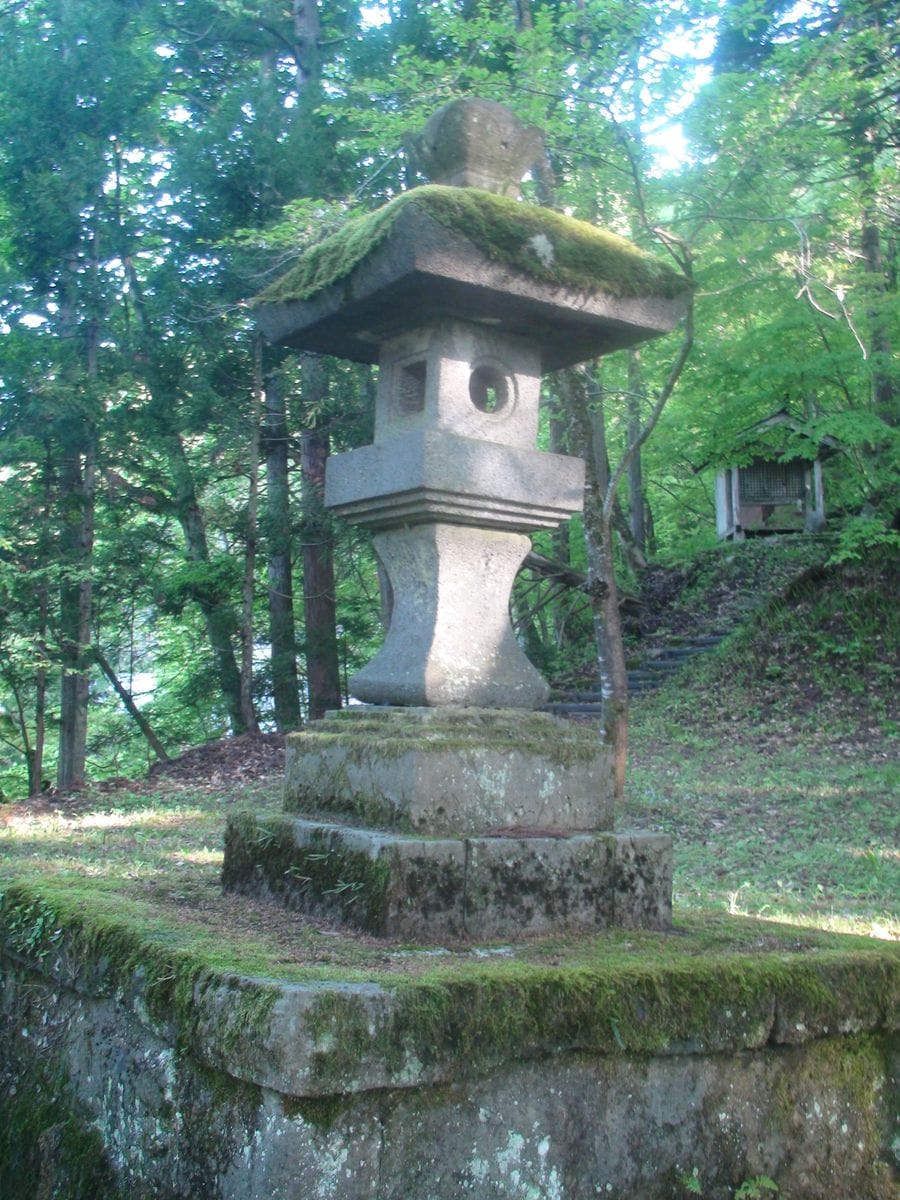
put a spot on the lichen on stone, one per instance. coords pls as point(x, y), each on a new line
point(546, 245)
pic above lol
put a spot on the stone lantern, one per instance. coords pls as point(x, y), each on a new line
point(445, 804)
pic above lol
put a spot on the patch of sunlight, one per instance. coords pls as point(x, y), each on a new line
point(60, 865)
point(884, 927)
point(152, 818)
point(871, 853)
point(42, 828)
point(204, 857)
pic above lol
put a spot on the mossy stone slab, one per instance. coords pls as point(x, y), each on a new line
point(382, 883)
point(403, 886)
point(573, 291)
point(450, 771)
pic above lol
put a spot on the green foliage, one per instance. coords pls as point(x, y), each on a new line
point(690, 1181)
point(859, 537)
point(33, 928)
point(757, 1188)
point(211, 582)
point(151, 155)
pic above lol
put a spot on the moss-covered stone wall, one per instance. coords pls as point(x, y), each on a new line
point(129, 1068)
point(117, 1113)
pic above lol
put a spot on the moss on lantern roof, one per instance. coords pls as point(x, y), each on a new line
point(539, 242)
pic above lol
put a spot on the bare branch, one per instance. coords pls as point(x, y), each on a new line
point(662, 397)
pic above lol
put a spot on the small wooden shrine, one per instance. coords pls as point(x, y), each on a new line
point(776, 491)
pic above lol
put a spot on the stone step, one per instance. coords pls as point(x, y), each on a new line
point(651, 674)
point(681, 652)
point(566, 707)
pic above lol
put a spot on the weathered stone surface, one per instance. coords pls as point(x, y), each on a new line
point(423, 272)
point(537, 885)
point(643, 881)
point(477, 143)
point(450, 640)
point(429, 889)
point(530, 781)
point(213, 1104)
point(437, 476)
point(383, 883)
point(450, 771)
point(469, 380)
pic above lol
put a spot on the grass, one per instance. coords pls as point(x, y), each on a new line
point(773, 762)
point(764, 827)
point(778, 830)
point(781, 801)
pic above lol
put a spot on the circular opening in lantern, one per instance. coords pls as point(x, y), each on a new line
point(490, 389)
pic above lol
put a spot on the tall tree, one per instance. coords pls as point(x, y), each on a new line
point(75, 80)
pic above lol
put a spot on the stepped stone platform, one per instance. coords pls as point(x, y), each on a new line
point(136, 1064)
point(429, 823)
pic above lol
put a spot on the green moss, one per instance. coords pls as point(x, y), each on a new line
point(222, 1089)
point(323, 1112)
point(479, 1020)
point(538, 242)
point(341, 760)
point(339, 1022)
point(335, 796)
point(245, 1019)
point(350, 883)
point(59, 927)
point(851, 1072)
point(46, 1146)
point(392, 734)
point(709, 985)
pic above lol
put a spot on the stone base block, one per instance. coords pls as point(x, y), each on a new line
point(435, 888)
point(451, 771)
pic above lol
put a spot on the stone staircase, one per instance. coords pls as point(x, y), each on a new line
point(666, 659)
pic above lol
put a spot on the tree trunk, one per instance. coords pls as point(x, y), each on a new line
point(635, 472)
point(248, 591)
point(523, 15)
point(868, 142)
point(559, 538)
point(586, 406)
point(322, 659)
point(883, 390)
point(75, 602)
point(76, 500)
point(306, 23)
point(282, 631)
point(36, 761)
point(217, 611)
point(27, 747)
point(128, 700)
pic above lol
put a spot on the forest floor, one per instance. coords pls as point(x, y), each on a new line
point(772, 762)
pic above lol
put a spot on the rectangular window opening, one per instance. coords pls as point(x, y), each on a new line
point(772, 483)
point(409, 396)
